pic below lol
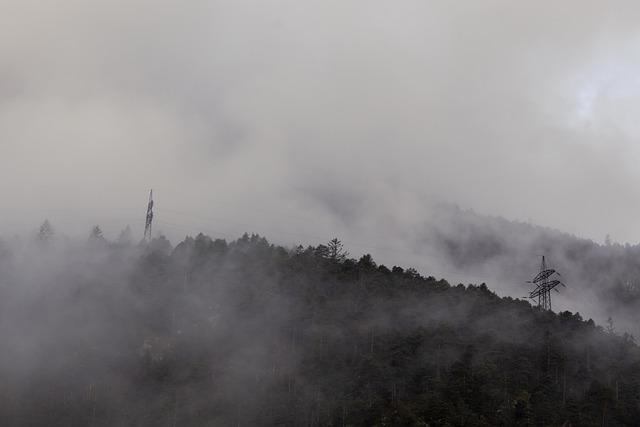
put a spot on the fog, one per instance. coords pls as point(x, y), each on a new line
point(348, 114)
point(403, 129)
point(247, 333)
point(308, 122)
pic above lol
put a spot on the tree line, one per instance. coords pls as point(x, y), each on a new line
point(211, 332)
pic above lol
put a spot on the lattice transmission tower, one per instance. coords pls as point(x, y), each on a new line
point(544, 286)
point(149, 219)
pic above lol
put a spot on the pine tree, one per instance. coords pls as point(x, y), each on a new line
point(46, 231)
point(96, 238)
point(611, 325)
point(126, 236)
point(335, 251)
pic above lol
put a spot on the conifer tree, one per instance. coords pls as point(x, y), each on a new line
point(46, 231)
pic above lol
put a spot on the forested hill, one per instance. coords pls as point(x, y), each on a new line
point(251, 334)
point(602, 279)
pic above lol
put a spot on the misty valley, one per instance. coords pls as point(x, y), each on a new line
point(248, 333)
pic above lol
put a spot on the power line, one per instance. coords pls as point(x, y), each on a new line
point(246, 226)
point(267, 211)
point(286, 215)
point(240, 207)
point(493, 279)
point(253, 226)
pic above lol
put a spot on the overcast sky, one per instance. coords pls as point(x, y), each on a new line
point(306, 120)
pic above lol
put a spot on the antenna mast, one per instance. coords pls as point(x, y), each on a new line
point(544, 286)
point(149, 219)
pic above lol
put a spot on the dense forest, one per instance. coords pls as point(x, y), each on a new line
point(247, 333)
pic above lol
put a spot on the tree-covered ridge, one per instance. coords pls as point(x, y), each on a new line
point(603, 278)
point(248, 333)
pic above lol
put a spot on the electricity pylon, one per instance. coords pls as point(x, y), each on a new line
point(149, 219)
point(544, 286)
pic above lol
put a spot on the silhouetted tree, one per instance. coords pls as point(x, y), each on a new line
point(125, 237)
point(96, 238)
point(335, 251)
point(611, 325)
point(46, 231)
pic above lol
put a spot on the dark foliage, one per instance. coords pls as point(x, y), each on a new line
point(247, 333)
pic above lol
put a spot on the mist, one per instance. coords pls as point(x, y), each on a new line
point(341, 113)
point(307, 123)
point(248, 333)
point(464, 141)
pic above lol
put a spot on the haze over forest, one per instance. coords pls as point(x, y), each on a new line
point(306, 122)
point(247, 333)
point(462, 140)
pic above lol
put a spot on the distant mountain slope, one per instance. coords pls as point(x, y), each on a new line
point(247, 333)
point(602, 280)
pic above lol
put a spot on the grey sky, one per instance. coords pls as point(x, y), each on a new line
point(319, 118)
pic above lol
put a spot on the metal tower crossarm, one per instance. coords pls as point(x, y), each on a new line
point(544, 286)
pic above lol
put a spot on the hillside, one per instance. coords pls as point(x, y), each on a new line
point(247, 333)
point(603, 280)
